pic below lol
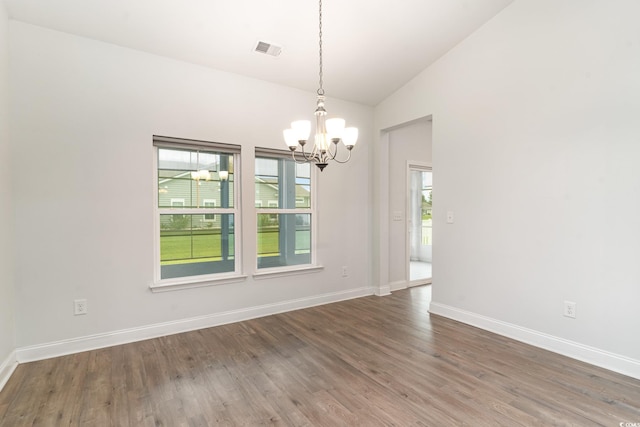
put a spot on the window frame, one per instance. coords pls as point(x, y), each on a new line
point(168, 284)
point(277, 271)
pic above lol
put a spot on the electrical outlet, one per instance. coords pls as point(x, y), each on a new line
point(79, 307)
point(570, 309)
point(449, 217)
point(344, 271)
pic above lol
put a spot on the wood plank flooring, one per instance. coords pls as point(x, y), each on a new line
point(365, 362)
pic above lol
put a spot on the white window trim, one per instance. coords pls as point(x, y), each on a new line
point(268, 273)
point(189, 282)
point(197, 282)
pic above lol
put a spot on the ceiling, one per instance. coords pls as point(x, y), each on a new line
point(370, 47)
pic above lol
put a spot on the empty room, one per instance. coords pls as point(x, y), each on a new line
point(319, 213)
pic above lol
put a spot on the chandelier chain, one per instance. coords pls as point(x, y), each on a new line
point(320, 89)
point(328, 133)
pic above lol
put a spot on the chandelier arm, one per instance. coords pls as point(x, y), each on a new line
point(326, 157)
point(333, 155)
point(305, 158)
point(295, 159)
point(342, 161)
point(312, 156)
point(301, 162)
point(330, 155)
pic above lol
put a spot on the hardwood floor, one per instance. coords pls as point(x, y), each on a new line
point(370, 361)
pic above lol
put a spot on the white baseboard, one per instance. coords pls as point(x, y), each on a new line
point(604, 359)
point(92, 342)
point(6, 368)
point(383, 291)
point(398, 285)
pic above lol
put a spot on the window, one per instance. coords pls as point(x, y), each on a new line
point(177, 203)
point(209, 203)
point(196, 209)
point(284, 205)
point(427, 222)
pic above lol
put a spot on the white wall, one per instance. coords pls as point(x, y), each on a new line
point(536, 148)
point(410, 142)
point(7, 335)
point(84, 113)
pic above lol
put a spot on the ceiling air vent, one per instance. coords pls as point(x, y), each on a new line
point(268, 48)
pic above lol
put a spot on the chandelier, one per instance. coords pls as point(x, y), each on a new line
point(329, 132)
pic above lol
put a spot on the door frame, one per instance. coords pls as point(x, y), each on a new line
point(422, 167)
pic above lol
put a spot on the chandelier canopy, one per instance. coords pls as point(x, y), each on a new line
point(329, 132)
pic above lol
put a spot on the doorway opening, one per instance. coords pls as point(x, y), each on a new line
point(420, 224)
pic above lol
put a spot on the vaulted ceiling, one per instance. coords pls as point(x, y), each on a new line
point(370, 49)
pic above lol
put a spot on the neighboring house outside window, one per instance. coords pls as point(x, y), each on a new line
point(284, 205)
point(196, 209)
point(209, 203)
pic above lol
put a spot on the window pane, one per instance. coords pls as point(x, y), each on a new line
point(192, 245)
point(284, 239)
point(267, 183)
point(303, 192)
point(266, 166)
point(194, 176)
point(303, 170)
point(282, 184)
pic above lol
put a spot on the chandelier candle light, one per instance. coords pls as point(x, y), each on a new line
point(329, 132)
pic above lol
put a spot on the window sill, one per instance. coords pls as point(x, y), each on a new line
point(196, 283)
point(269, 273)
